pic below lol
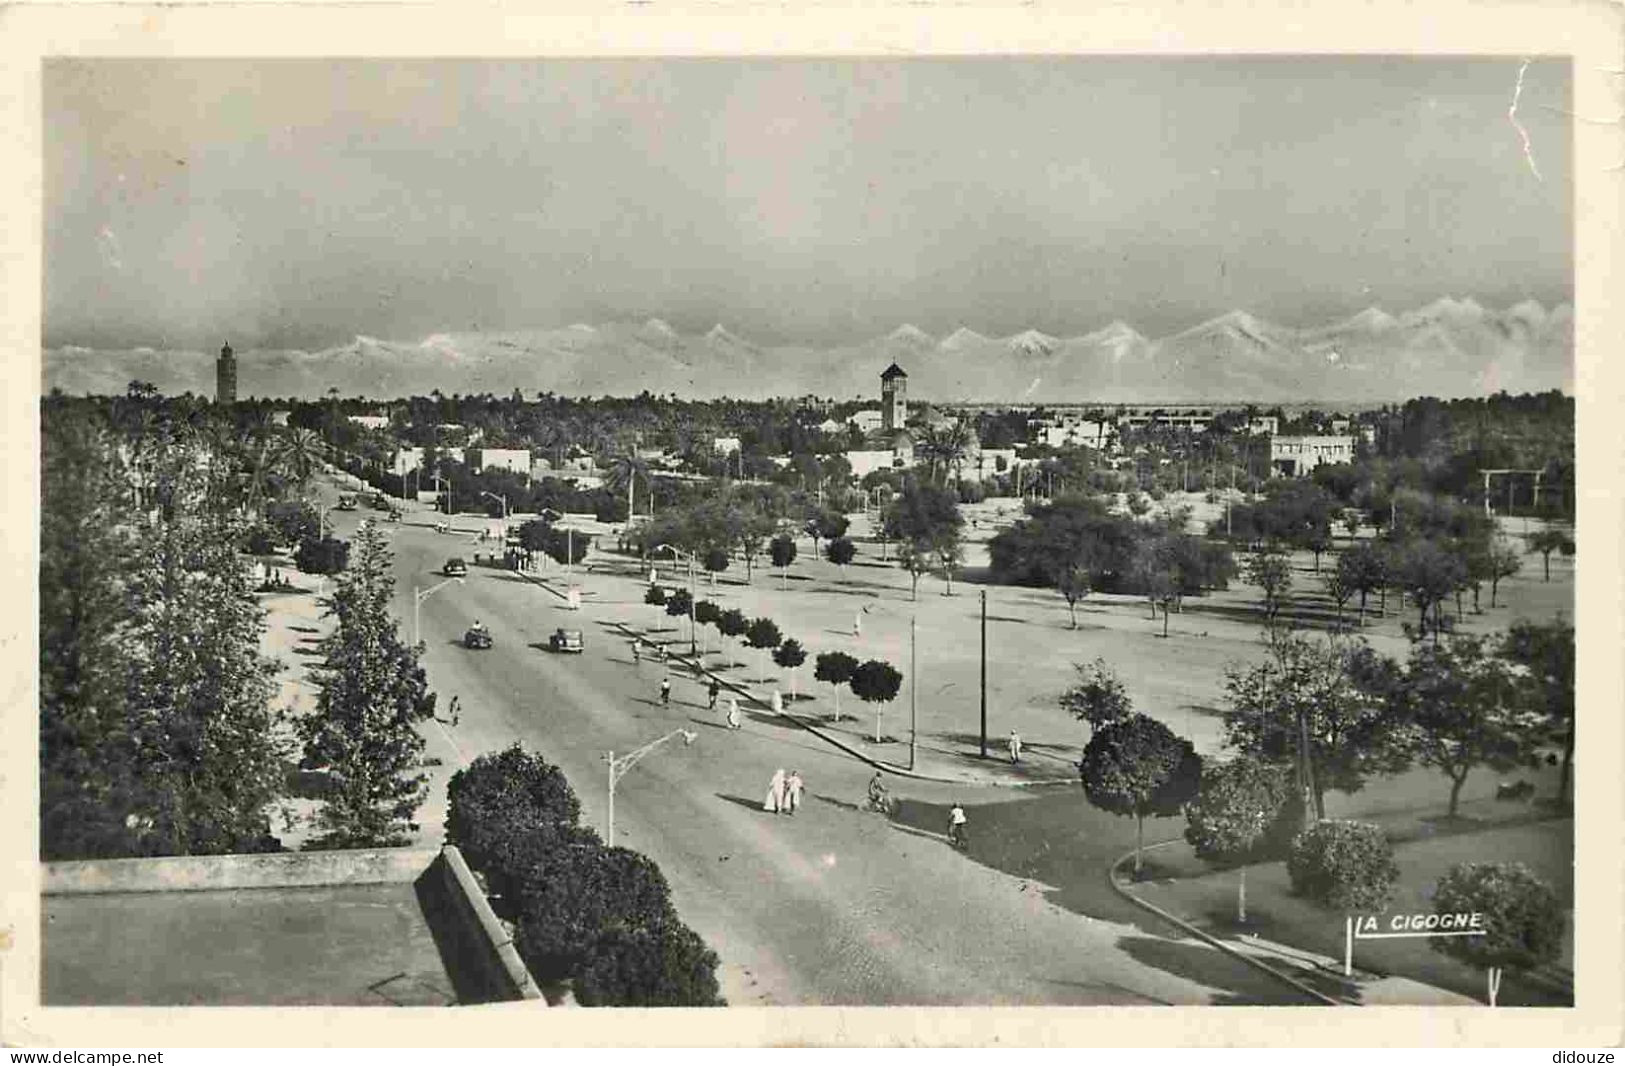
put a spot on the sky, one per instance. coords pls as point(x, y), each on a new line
point(300, 203)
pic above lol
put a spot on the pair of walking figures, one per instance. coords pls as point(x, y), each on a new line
point(784, 792)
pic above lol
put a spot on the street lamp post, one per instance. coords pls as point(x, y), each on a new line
point(418, 596)
point(503, 500)
point(619, 767)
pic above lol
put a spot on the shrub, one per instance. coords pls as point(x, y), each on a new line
point(971, 492)
point(706, 612)
point(840, 551)
point(1523, 917)
point(491, 798)
point(655, 597)
point(790, 654)
point(677, 603)
point(326, 556)
point(261, 540)
point(732, 622)
point(1343, 865)
point(782, 550)
point(763, 633)
point(664, 965)
point(715, 560)
point(566, 897)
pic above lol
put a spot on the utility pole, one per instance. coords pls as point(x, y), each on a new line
point(984, 673)
point(913, 694)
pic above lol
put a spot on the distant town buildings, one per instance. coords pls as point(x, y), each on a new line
point(515, 460)
point(725, 446)
point(867, 421)
point(1296, 456)
point(225, 376)
point(371, 421)
point(1264, 425)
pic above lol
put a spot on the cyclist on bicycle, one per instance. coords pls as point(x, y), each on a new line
point(877, 793)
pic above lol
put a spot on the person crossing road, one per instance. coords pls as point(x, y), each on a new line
point(712, 692)
point(665, 691)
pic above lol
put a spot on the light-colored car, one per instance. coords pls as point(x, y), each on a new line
point(566, 640)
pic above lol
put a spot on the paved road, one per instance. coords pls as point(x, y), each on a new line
point(830, 906)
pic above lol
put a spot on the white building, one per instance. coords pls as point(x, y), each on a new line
point(516, 460)
point(1082, 432)
point(371, 421)
point(832, 427)
point(1264, 425)
point(899, 456)
point(866, 421)
point(1296, 456)
point(725, 446)
point(409, 459)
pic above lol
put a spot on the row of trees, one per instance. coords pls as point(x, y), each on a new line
point(1076, 546)
point(159, 733)
point(874, 681)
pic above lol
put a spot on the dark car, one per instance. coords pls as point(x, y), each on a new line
point(346, 502)
point(477, 637)
point(566, 640)
point(455, 567)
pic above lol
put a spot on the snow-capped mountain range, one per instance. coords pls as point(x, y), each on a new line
point(1449, 348)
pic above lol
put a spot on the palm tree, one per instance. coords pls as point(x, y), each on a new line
point(944, 447)
point(298, 454)
point(625, 470)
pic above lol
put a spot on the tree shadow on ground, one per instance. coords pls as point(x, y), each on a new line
point(1236, 984)
point(1221, 921)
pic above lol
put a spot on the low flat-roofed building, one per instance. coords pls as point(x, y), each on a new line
point(725, 445)
point(371, 421)
point(516, 460)
point(1264, 425)
point(866, 421)
point(410, 459)
point(1296, 456)
point(373, 927)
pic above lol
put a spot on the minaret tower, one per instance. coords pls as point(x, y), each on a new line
point(225, 377)
point(893, 398)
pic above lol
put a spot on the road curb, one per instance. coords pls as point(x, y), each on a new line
point(1152, 908)
point(884, 767)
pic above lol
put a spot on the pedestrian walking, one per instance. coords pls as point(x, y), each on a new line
point(711, 693)
point(775, 793)
point(857, 624)
point(637, 653)
point(1015, 746)
point(665, 691)
point(777, 702)
point(792, 791)
point(733, 713)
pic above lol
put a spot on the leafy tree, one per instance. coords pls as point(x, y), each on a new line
point(655, 596)
point(1522, 918)
point(1322, 705)
point(706, 613)
point(782, 550)
point(826, 524)
point(503, 794)
point(715, 561)
point(1137, 766)
point(326, 556)
point(1272, 573)
point(372, 694)
point(1503, 561)
point(925, 521)
point(840, 551)
point(566, 895)
point(1428, 573)
point(1347, 866)
point(1545, 651)
point(88, 769)
point(732, 622)
point(561, 545)
point(1233, 815)
point(678, 603)
point(1363, 570)
point(790, 655)
point(1463, 710)
point(664, 964)
point(835, 668)
point(763, 634)
point(751, 531)
point(1548, 540)
point(208, 744)
point(293, 521)
point(1098, 697)
point(1319, 541)
point(876, 682)
point(1338, 588)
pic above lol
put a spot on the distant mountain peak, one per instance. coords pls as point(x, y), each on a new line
point(1032, 342)
point(1372, 319)
point(910, 333)
point(657, 325)
point(962, 338)
point(720, 334)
